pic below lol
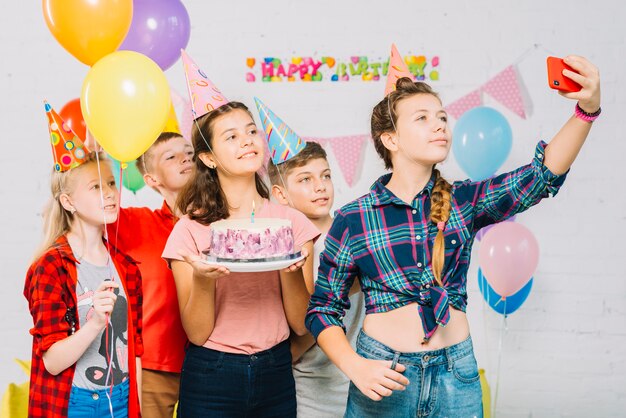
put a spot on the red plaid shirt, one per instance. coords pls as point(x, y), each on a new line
point(50, 289)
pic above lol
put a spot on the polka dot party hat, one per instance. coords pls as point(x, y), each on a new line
point(67, 149)
point(283, 142)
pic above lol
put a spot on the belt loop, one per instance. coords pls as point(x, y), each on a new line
point(449, 359)
point(394, 362)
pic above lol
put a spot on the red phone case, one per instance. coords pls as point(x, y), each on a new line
point(557, 80)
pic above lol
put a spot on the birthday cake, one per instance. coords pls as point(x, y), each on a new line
point(265, 238)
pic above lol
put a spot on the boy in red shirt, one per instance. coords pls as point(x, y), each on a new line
point(142, 233)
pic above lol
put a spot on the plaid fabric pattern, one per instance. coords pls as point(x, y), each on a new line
point(50, 290)
point(388, 245)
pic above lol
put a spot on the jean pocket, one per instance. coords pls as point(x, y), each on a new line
point(466, 369)
point(199, 365)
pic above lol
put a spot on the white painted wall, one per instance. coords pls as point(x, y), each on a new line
point(565, 350)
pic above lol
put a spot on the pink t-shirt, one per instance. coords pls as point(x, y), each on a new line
point(249, 313)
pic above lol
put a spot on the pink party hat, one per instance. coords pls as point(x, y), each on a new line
point(204, 95)
point(397, 69)
point(283, 142)
point(68, 150)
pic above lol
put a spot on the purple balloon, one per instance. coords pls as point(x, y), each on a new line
point(481, 233)
point(159, 30)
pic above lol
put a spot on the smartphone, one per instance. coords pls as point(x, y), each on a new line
point(557, 80)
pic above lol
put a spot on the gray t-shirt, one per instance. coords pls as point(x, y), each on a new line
point(321, 388)
point(92, 371)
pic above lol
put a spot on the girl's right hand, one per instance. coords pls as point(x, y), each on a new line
point(103, 302)
point(375, 379)
point(201, 269)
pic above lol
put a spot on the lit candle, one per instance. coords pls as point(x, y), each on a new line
point(252, 215)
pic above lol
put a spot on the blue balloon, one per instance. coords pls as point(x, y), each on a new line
point(503, 306)
point(481, 142)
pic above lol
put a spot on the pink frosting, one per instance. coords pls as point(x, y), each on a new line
point(241, 243)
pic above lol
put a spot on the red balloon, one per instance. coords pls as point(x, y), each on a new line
point(73, 116)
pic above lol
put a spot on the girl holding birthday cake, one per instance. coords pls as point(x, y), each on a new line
point(238, 361)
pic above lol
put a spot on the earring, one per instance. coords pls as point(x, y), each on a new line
point(73, 211)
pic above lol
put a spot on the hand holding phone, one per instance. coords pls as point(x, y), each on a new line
point(556, 79)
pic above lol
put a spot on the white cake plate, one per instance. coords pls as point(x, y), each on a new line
point(254, 265)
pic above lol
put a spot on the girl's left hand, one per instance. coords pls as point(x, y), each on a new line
point(299, 264)
point(587, 75)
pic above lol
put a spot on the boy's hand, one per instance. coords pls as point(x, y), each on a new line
point(298, 265)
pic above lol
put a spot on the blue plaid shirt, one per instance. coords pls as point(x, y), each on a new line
point(388, 245)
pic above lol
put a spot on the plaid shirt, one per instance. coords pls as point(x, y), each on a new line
point(388, 244)
point(50, 289)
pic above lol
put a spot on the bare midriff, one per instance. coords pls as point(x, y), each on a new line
point(401, 329)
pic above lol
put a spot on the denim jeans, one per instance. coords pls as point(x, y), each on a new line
point(86, 403)
point(443, 383)
point(218, 384)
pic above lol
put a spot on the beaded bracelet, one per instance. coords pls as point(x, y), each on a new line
point(587, 117)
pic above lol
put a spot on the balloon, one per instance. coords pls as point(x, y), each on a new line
point(73, 117)
point(481, 232)
point(481, 142)
point(125, 101)
point(496, 302)
point(508, 254)
point(88, 29)
point(484, 385)
point(159, 30)
point(132, 179)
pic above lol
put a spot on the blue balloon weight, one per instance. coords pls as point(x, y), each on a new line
point(503, 306)
point(481, 142)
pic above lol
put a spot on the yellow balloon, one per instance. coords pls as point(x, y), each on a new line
point(484, 385)
point(125, 102)
point(88, 29)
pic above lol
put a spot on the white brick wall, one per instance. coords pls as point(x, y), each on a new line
point(564, 353)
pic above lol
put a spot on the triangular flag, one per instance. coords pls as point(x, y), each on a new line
point(348, 150)
point(465, 103)
point(68, 150)
point(505, 89)
point(397, 69)
point(322, 141)
point(204, 95)
point(283, 142)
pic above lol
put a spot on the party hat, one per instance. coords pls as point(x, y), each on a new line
point(67, 148)
point(172, 123)
point(204, 95)
point(397, 69)
point(283, 142)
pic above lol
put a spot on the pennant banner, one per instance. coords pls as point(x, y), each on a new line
point(462, 105)
point(504, 87)
point(348, 151)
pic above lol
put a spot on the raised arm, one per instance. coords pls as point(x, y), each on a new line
point(564, 147)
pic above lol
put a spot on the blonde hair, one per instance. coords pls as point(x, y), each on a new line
point(57, 221)
point(384, 120)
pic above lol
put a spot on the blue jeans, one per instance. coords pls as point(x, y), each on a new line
point(218, 384)
point(86, 403)
point(443, 383)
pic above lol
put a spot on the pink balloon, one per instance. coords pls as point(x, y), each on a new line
point(508, 255)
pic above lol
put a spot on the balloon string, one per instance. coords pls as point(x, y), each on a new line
point(503, 329)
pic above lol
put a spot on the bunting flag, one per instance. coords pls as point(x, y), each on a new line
point(504, 87)
point(465, 103)
point(348, 151)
